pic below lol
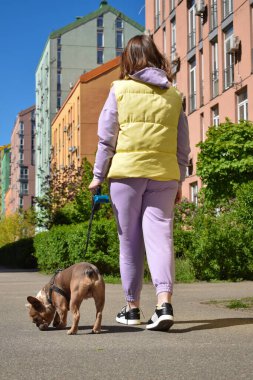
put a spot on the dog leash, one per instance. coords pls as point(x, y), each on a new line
point(97, 200)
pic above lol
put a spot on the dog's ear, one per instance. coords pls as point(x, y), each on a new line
point(36, 304)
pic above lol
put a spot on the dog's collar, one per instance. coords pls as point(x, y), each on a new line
point(54, 288)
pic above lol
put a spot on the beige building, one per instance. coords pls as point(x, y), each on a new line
point(210, 46)
point(74, 128)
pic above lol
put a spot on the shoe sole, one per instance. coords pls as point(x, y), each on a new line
point(164, 323)
point(125, 321)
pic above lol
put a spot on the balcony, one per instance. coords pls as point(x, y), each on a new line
point(228, 77)
point(215, 83)
point(23, 192)
point(23, 177)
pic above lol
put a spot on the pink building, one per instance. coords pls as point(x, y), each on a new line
point(22, 179)
point(210, 46)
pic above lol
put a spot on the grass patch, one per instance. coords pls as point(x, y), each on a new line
point(184, 271)
point(243, 303)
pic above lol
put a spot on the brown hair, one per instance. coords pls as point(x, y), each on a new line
point(142, 52)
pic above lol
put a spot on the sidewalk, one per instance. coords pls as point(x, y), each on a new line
point(206, 341)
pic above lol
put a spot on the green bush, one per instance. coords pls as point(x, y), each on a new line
point(64, 245)
point(221, 248)
point(18, 254)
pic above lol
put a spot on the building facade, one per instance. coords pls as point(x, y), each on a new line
point(210, 46)
point(69, 52)
point(22, 176)
point(5, 175)
point(74, 129)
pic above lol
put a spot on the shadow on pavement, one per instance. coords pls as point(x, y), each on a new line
point(210, 324)
point(105, 329)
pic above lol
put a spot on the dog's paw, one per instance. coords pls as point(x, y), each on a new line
point(71, 332)
point(96, 331)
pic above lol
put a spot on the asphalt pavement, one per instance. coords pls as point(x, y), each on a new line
point(206, 341)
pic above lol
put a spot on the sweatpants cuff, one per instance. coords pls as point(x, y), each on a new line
point(164, 288)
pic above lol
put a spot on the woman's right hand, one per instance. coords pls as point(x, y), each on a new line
point(93, 186)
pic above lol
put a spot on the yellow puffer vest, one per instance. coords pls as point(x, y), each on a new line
point(147, 141)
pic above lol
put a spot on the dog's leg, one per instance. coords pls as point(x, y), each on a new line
point(74, 308)
point(99, 297)
point(56, 321)
point(62, 318)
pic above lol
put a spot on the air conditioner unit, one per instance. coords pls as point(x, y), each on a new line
point(200, 7)
point(176, 58)
point(234, 45)
point(72, 149)
point(65, 129)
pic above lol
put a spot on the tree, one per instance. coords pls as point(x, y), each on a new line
point(225, 160)
point(60, 187)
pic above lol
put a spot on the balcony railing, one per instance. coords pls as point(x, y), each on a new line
point(228, 76)
point(23, 192)
point(192, 102)
point(191, 40)
point(215, 83)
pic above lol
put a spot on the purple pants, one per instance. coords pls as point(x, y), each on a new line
point(144, 213)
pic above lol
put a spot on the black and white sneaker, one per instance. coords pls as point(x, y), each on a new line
point(129, 317)
point(162, 319)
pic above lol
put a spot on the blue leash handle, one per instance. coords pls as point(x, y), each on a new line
point(97, 199)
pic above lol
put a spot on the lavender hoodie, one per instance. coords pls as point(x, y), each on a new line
point(108, 127)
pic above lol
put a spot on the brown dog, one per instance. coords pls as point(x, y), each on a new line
point(66, 291)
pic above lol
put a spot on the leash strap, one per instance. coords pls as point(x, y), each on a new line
point(89, 228)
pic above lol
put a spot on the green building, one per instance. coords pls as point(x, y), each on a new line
point(5, 154)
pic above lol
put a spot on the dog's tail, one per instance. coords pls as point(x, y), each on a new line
point(92, 272)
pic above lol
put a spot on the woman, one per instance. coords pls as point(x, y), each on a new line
point(143, 149)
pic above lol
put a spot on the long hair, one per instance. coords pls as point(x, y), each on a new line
point(142, 52)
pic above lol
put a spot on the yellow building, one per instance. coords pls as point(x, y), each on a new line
point(74, 128)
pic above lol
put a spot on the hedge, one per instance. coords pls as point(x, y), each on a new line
point(19, 254)
point(64, 245)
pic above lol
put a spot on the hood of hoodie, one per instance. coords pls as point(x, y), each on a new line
point(152, 75)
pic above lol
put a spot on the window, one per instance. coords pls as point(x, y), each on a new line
point(119, 39)
point(191, 26)
point(215, 69)
point(227, 8)
point(164, 41)
point(21, 158)
point(192, 95)
point(23, 188)
point(202, 127)
point(215, 115)
point(100, 21)
point(213, 16)
point(189, 168)
point(172, 5)
point(194, 192)
point(24, 173)
point(242, 105)
point(228, 59)
point(119, 36)
point(21, 204)
point(157, 14)
point(100, 56)
point(173, 40)
point(201, 79)
point(100, 39)
point(119, 23)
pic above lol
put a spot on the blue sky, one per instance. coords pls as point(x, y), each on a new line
point(24, 28)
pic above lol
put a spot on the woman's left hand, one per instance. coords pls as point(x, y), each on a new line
point(178, 198)
point(93, 186)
